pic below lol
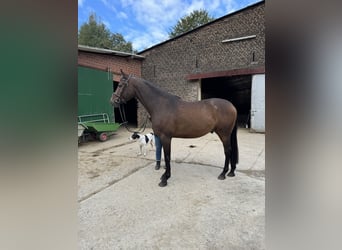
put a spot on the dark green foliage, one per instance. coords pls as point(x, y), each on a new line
point(189, 22)
point(95, 34)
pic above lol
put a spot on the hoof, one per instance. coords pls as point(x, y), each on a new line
point(162, 184)
point(221, 177)
point(231, 174)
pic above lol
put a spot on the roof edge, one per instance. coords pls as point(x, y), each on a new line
point(225, 73)
point(108, 52)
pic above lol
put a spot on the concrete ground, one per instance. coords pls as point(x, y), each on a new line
point(121, 205)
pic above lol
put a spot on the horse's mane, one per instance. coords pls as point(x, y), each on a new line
point(161, 91)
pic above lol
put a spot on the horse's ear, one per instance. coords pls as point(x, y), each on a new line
point(123, 74)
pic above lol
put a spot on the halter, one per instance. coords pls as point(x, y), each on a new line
point(125, 84)
point(122, 109)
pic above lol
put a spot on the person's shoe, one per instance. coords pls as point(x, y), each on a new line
point(157, 167)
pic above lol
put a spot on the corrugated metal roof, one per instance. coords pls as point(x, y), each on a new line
point(108, 51)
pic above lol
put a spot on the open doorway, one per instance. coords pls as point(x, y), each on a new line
point(236, 89)
point(130, 109)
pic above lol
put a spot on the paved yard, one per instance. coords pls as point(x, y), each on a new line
point(121, 205)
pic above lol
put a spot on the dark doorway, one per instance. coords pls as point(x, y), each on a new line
point(130, 109)
point(236, 89)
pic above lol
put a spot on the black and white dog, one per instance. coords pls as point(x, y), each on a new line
point(143, 140)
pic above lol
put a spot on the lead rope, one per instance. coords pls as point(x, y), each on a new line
point(123, 115)
point(125, 122)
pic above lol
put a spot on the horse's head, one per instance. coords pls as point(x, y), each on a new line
point(124, 92)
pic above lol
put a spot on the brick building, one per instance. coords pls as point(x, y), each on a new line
point(224, 58)
point(109, 60)
point(99, 73)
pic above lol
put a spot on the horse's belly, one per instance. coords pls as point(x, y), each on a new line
point(192, 129)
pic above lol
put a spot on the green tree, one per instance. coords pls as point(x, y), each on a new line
point(119, 43)
point(195, 19)
point(95, 34)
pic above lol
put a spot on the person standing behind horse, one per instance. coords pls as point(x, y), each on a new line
point(158, 151)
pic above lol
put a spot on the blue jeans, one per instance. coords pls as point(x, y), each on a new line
point(158, 147)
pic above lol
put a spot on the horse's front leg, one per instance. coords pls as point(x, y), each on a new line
point(166, 142)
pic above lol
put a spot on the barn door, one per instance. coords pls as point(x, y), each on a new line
point(258, 103)
point(94, 91)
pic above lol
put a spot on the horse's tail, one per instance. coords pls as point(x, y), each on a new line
point(234, 156)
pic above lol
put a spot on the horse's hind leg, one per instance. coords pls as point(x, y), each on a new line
point(232, 169)
point(231, 172)
point(166, 142)
point(234, 154)
point(227, 151)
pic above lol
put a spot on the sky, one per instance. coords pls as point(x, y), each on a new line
point(146, 23)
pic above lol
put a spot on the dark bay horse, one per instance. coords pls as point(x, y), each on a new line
point(173, 117)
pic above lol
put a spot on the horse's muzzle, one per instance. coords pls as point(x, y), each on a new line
point(116, 102)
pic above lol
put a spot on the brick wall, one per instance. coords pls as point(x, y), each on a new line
point(112, 62)
point(202, 51)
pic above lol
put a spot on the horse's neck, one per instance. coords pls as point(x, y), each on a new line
point(150, 96)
